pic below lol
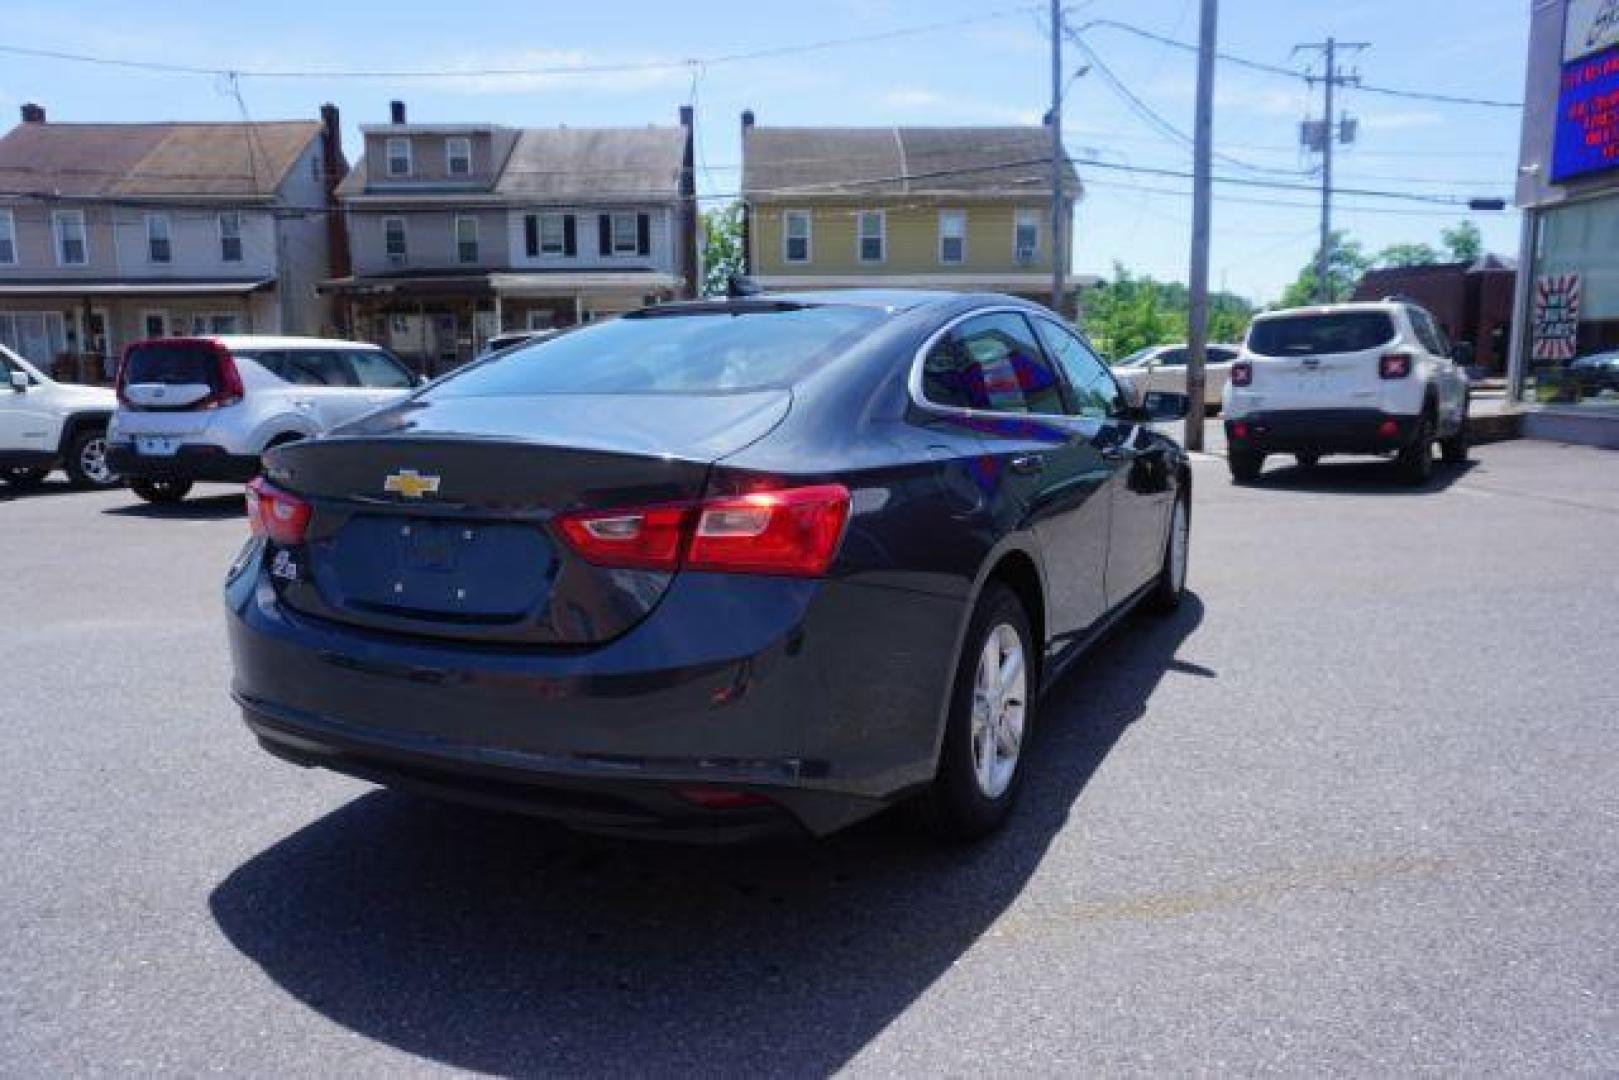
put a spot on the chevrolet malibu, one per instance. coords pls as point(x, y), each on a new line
point(714, 568)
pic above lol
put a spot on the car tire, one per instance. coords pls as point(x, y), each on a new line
point(86, 461)
point(1245, 465)
point(1454, 449)
point(1170, 588)
point(1414, 464)
point(1307, 459)
point(972, 794)
point(161, 492)
point(24, 478)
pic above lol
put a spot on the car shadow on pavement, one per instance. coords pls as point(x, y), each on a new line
point(499, 944)
point(200, 508)
point(1357, 476)
point(44, 488)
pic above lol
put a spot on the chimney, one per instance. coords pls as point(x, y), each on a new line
point(396, 112)
point(333, 168)
point(685, 116)
point(747, 119)
point(33, 114)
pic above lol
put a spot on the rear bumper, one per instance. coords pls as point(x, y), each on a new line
point(1323, 431)
point(193, 461)
point(823, 698)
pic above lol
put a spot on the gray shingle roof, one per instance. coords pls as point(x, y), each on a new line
point(983, 162)
point(595, 164)
point(161, 159)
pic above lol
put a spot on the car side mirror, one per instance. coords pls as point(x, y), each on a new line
point(1463, 353)
point(1162, 406)
point(19, 381)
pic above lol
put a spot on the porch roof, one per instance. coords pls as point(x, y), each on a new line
point(80, 287)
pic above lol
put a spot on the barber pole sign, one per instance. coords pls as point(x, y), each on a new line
point(1556, 316)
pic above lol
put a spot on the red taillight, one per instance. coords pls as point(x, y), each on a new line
point(1394, 365)
point(228, 389)
point(1388, 429)
point(647, 539)
point(713, 798)
point(793, 531)
point(279, 515)
point(1242, 373)
point(1239, 429)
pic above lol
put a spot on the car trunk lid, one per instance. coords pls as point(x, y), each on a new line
point(439, 518)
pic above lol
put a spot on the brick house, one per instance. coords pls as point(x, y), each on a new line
point(110, 233)
point(461, 230)
point(964, 208)
point(1472, 302)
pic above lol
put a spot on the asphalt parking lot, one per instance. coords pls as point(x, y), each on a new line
point(1352, 810)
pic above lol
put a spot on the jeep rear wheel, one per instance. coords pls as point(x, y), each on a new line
point(161, 492)
point(1454, 449)
point(1245, 465)
point(1415, 462)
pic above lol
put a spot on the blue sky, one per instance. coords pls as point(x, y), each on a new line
point(988, 72)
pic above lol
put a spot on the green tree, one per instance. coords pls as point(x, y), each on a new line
point(1408, 255)
point(722, 247)
point(1344, 270)
point(1464, 242)
point(1129, 313)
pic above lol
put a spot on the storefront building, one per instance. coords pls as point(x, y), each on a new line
point(1565, 355)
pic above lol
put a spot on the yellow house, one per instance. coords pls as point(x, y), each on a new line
point(930, 207)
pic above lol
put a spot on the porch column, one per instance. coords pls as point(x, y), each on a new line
point(500, 316)
point(85, 339)
point(578, 309)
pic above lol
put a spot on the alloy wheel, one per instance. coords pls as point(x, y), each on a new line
point(1000, 695)
point(93, 462)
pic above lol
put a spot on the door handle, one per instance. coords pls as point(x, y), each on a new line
point(1029, 464)
point(1117, 453)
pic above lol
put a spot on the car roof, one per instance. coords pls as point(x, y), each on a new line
point(892, 301)
point(1388, 307)
point(273, 341)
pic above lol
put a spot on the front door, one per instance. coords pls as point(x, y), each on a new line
point(1136, 459)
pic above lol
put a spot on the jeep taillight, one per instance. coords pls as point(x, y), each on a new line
point(1394, 365)
point(1242, 373)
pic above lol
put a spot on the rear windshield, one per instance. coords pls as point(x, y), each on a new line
point(1310, 335)
point(172, 364)
point(703, 353)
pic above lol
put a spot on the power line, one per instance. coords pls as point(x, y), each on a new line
point(440, 73)
point(1293, 73)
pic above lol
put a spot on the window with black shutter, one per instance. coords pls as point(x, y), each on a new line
point(604, 234)
point(643, 234)
point(570, 236)
point(531, 235)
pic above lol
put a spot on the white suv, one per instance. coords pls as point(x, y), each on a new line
point(45, 424)
point(1360, 378)
point(194, 409)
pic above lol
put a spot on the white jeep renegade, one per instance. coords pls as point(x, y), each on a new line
point(45, 424)
point(1357, 378)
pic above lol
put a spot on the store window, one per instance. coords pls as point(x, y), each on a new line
point(1571, 349)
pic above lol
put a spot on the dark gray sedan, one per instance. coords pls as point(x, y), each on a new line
point(713, 568)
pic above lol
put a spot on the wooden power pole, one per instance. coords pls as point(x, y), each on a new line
point(1198, 284)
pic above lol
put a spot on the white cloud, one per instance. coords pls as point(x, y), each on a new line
point(945, 108)
point(911, 98)
point(1397, 121)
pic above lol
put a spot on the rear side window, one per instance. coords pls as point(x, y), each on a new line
point(1096, 395)
point(374, 368)
point(992, 363)
point(1331, 332)
point(173, 364)
point(730, 350)
point(317, 367)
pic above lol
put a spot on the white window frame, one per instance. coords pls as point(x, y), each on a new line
point(202, 322)
point(404, 240)
point(959, 215)
point(393, 142)
point(451, 144)
point(8, 229)
point(58, 217)
point(634, 219)
point(1018, 220)
point(152, 238)
point(561, 249)
point(147, 316)
point(477, 247)
point(241, 246)
point(860, 236)
point(787, 219)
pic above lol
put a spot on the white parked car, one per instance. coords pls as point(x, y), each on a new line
point(1163, 368)
point(1360, 378)
point(206, 408)
point(45, 425)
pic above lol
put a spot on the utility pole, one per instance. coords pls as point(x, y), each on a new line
point(1059, 250)
point(1321, 139)
point(1202, 161)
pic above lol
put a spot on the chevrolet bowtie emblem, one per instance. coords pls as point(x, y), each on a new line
point(411, 484)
